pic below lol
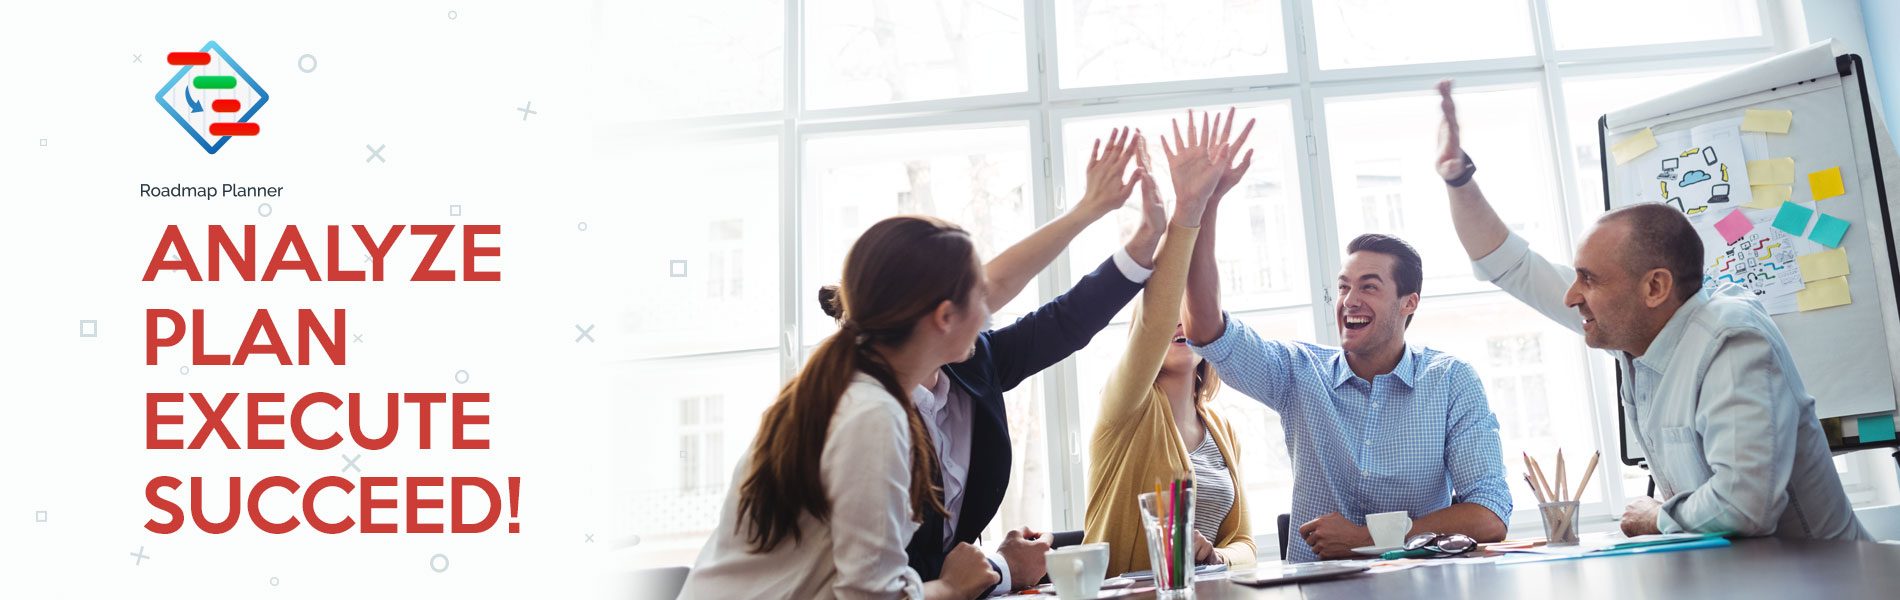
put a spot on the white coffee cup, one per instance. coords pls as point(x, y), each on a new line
point(1388, 528)
point(1078, 570)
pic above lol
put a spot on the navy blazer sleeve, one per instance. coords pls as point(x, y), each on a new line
point(1061, 327)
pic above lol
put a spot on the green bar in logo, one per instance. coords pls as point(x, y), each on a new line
point(214, 82)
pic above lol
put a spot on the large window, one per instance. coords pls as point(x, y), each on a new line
point(1373, 33)
point(805, 122)
point(861, 52)
point(1118, 42)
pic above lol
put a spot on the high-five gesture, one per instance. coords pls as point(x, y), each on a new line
point(1196, 163)
point(1479, 229)
point(1203, 320)
point(1106, 190)
point(1154, 214)
point(1017, 265)
point(1231, 174)
point(1451, 154)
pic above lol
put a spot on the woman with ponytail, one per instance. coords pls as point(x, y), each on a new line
point(839, 475)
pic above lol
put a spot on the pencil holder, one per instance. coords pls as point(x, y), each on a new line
point(1560, 522)
point(1169, 521)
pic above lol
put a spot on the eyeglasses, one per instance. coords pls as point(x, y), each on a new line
point(1451, 544)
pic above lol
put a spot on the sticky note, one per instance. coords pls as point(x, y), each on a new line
point(1828, 230)
point(1823, 265)
point(1767, 121)
point(1877, 428)
point(1793, 218)
point(1823, 293)
point(1633, 146)
point(1769, 196)
point(1826, 183)
point(1734, 226)
point(1773, 171)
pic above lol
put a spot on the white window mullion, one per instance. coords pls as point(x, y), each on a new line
point(1309, 125)
point(791, 160)
point(1067, 483)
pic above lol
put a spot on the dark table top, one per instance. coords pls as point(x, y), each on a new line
point(1750, 568)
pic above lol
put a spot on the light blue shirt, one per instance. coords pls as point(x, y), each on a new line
point(1716, 404)
point(1416, 440)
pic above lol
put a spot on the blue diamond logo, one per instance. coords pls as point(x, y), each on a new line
point(211, 96)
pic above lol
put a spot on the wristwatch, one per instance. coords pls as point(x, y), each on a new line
point(1471, 168)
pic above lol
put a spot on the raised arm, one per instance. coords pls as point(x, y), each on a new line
point(1203, 321)
point(1015, 267)
point(1497, 256)
point(1477, 224)
point(1195, 166)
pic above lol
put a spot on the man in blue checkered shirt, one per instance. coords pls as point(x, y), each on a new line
point(1372, 425)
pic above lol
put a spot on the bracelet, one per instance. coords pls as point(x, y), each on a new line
point(1471, 169)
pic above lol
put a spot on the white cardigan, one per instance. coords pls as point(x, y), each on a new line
point(860, 552)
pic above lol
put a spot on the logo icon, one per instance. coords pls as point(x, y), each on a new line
point(211, 96)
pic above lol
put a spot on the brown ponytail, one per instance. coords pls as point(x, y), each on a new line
point(898, 272)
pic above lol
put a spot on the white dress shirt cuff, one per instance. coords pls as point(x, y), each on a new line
point(1501, 260)
point(1129, 268)
point(1002, 568)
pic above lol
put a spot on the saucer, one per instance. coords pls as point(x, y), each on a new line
point(1117, 582)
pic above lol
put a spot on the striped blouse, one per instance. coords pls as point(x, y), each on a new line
point(1213, 488)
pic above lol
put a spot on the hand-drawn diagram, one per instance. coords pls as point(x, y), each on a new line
point(1762, 261)
point(1705, 169)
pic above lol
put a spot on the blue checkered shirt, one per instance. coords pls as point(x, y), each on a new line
point(1417, 439)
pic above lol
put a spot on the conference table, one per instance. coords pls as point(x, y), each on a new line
point(1749, 568)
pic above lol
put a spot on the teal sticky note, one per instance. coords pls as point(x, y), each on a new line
point(1877, 428)
point(1828, 230)
point(1793, 218)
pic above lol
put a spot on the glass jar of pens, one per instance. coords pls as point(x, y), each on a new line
point(1558, 504)
point(1168, 516)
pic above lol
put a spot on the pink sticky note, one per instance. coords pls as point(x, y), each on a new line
point(1734, 226)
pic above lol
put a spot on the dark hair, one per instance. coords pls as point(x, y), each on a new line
point(1206, 382)
point(1661, 238)
point(898, 272)
point(1408, 270)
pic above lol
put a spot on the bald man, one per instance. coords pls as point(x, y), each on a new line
point(1720, 412)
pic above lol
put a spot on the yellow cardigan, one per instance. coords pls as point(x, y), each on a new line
point(1136, 445)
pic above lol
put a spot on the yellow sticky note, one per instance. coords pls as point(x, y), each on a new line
point(1823, 265)
point(1773, 171)
point(1767, 121)
point(1633, 146)
point(1769, 196)
point(1826, 183)
point(1823, 294)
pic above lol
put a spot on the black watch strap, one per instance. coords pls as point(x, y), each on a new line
point(1471, 169)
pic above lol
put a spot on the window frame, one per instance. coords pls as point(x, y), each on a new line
point(1045, 105)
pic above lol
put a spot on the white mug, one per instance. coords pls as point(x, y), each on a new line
point(1078, 570)
point(1388, 528)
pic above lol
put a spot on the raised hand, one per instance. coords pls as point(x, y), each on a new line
point(1231, 173)
point(1196, 163)
point(1451, 154)
point(1154, 214)
point(1106, 191)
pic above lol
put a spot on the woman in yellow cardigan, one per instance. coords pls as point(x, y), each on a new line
point(1156, 423)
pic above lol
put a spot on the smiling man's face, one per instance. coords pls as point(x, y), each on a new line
point(1369, 311)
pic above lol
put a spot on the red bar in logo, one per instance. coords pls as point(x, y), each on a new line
point(227, 106)
point(224, 129)
point(188, 58)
